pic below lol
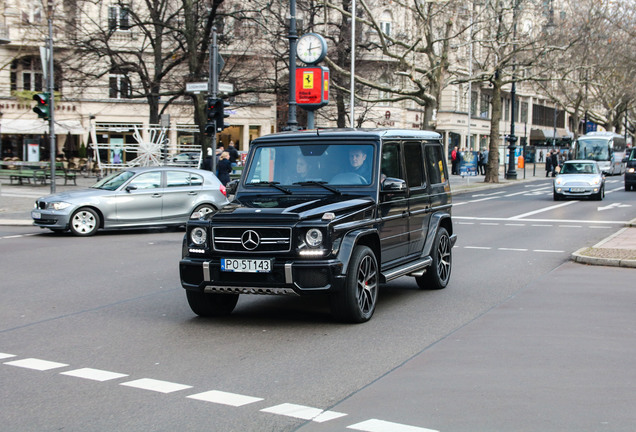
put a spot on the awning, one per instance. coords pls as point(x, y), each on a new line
point(37, 126)
point(537, 135)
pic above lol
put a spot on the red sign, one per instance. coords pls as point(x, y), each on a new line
point(312, 87)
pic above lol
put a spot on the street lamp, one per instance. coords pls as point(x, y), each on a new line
point(511, 174)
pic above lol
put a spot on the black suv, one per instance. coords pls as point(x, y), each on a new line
point(334, 212)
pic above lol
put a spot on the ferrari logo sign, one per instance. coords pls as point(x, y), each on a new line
point(312, 87)
point(308, 80)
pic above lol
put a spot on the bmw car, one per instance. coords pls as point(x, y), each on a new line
point(579, 178)
point(139, 197)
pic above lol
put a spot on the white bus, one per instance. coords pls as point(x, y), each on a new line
point(607, 148)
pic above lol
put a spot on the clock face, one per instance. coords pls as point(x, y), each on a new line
point(311, 48)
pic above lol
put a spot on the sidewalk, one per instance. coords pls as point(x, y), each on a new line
point(16, 202)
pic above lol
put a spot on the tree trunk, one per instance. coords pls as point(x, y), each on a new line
point(492, 167)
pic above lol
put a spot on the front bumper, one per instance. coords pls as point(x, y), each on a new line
point(288, 277)
point(573, 191)
point(54, 219)
point(630, 179)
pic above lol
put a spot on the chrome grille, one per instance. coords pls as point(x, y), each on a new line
point(251, 239)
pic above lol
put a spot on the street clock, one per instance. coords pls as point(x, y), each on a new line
point(311, 48)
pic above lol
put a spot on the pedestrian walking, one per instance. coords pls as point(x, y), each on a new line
point(224, 168)
point(455, 161)
point(548, 164)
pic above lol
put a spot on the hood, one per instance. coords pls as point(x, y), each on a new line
point(576, 178)
point(286, 207)
point(78, 195)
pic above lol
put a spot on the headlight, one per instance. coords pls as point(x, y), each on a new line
point(314, 237)
point(198, 236)
point(558, 181)
point(61, 205)
point(631, 170)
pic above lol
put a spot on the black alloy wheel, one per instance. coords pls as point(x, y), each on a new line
point(357, 302)
point(438, 274)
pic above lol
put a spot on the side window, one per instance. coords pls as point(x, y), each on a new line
point(414, 165)
point(181, 179)
point(391, 162)
point(149, 180)
point(435, 164)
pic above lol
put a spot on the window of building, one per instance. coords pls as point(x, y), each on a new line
point(386, 22)
point(26, 74)
point(524, 112)
point(119, 86)
point(474, 101)
point(118, 18)
point(32, 14)
point(484, 106)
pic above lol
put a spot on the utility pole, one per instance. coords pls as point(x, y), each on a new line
point(292, 123)
point(51, 82)
point(213, 84)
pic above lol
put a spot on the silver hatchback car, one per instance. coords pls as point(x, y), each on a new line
point(579, 178)
point(135, 197)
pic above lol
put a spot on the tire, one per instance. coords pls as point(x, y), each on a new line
point(600, 195)
point(211, 305)
point(356, 303)
point(204, 209)
point(438, 274)
point(557, 197)
point(84, 222)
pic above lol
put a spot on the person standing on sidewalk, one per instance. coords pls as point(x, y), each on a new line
point(548, 164)
point(455, 161)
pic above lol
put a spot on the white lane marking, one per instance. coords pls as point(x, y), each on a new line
point(599, 227)
point(224, 398)
point(5, 355)
point(542, 220)
point(513, 249)
point(521, 216)
point(541, 225)
point(18, 236)
point(487, 195)
point(465, 223)
point(375, 425)
point(94, 374)
point(570, 226)
point(515, 224)
point(547, 251)
point(489, 223)
point(37, 364)
point(477, 247)
point(303, 412)
point(156, 385)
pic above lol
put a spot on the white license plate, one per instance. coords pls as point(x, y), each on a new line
point(36, 215)
point(577, 189)
point(245, 265)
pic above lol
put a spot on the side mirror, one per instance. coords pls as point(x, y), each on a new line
point(130, 188)
point(393, 185)
point(231, 187)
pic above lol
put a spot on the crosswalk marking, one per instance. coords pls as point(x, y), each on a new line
point(303, 412)
point(37, 364)
point(375, 425)
point(156, 385)
point(224, 398)
point(94, 374)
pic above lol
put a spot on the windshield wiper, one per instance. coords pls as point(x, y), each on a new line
point(272, 184)
point(322, 184)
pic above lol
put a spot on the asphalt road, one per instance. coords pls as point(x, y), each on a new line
point(521, 339)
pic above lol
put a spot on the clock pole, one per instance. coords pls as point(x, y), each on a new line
point(292, 123)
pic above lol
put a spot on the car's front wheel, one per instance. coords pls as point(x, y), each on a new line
point(204, 209)
point(438, 274)
point(600, 195)
point(84, 222)
point(211, 304)
point(356, 303)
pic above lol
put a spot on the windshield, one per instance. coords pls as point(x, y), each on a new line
point(579, 168)
point(113, 181)
point(592, 149)
point(304, 165)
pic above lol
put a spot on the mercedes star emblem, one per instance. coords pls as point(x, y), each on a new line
point(250, 240)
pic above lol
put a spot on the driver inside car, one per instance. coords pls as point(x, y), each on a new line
point(357, 157)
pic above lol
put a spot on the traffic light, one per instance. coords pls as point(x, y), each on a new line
point(210, 126)
point(215, 109)
point(220, 115)
point(42, 109)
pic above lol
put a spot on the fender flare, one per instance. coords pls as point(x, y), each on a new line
point(350, 240)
